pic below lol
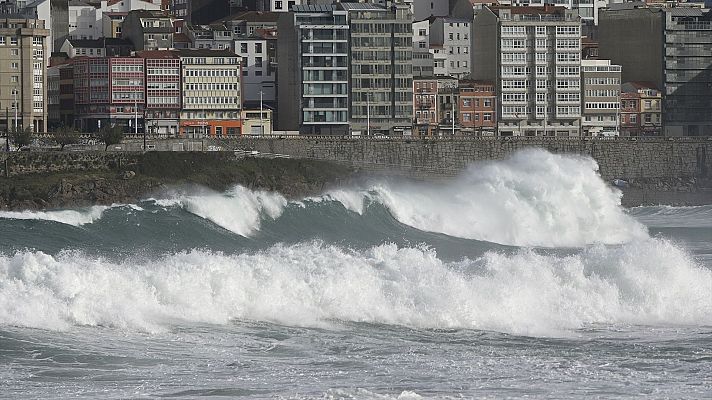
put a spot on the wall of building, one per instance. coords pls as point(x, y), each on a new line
point(633, 39)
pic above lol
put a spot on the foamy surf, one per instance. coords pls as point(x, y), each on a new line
point(68, 217)
point(314, 284)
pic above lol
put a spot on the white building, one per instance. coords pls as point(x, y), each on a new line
point(423, 62)
point(258, 75)
point(211, 94)
point(454, 37)
point(601, 97)
point(534, 53)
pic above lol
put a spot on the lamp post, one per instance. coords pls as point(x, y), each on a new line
point(262, 127)
point(14, 104)
point(368, 114)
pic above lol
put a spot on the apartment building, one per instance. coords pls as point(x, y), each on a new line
point(600, 91)
point(425, 106)
point(23, 73)
point(163, 92)
point(214, 36)
point(453, 36)
point(278, 5)
point(104, 47)
point(641, 109)
point(534, 53)
point(259, 73)
point(677, 58)
point(477, 115)
point(148, 30)
point(109, 91)
point(423, 60)
point(313, 95)
point(381, 69)
point(211, 93)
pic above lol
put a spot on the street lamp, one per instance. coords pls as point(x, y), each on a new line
point(14, 104)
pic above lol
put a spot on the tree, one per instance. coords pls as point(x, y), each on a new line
point(65, 135)
point(111, 135)
point(21, 137)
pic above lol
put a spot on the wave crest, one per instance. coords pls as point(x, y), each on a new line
point(312, 284)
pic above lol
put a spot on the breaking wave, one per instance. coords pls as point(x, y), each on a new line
point(534, 198)
point(316, 284)
point(68, 217)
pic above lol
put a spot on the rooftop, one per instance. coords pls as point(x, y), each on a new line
point(530, 10)
point(205, 53)
point(99, 43)
point(157, 54)
point(252, 16)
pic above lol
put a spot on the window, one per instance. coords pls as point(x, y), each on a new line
point(633, 118)
point(13, 40)
point(258, 47)
point(15, 52)
point(422, 32)
point(278, 5)
point(14, 65)
point(487, 117)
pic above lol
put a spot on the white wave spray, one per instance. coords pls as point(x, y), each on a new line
point(238, 210)
point(534, 198)
point(68, 217)
point(311, 284)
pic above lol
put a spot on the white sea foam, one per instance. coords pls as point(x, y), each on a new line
point(238, 210)
point(312, 284)
point(68, 217)
point(534, 198)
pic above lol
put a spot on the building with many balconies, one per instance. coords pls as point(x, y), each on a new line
point(534, 53)
point(600, 93)
point(23, 72)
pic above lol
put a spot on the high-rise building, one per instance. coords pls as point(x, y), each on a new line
point(600, 90)
point(381, 69)
point(534, 54)
point(335, 89)
point(23, 72)
point(672, 49)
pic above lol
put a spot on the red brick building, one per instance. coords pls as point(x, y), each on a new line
point(641, 112)
point(477, 108)
point(425, 106)
point(109, 91)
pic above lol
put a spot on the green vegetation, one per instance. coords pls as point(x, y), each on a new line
point(21, 137)
point(111, 135)
point(65, 135)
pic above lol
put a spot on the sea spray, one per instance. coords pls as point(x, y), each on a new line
point(315, 284)
point(534, 198)
point(68, 217)
point(239, 210)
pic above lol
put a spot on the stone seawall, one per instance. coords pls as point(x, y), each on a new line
point(23, 163)
point(650, 159)
point(617, 158)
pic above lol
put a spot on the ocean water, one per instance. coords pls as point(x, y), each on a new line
point(519, 278)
